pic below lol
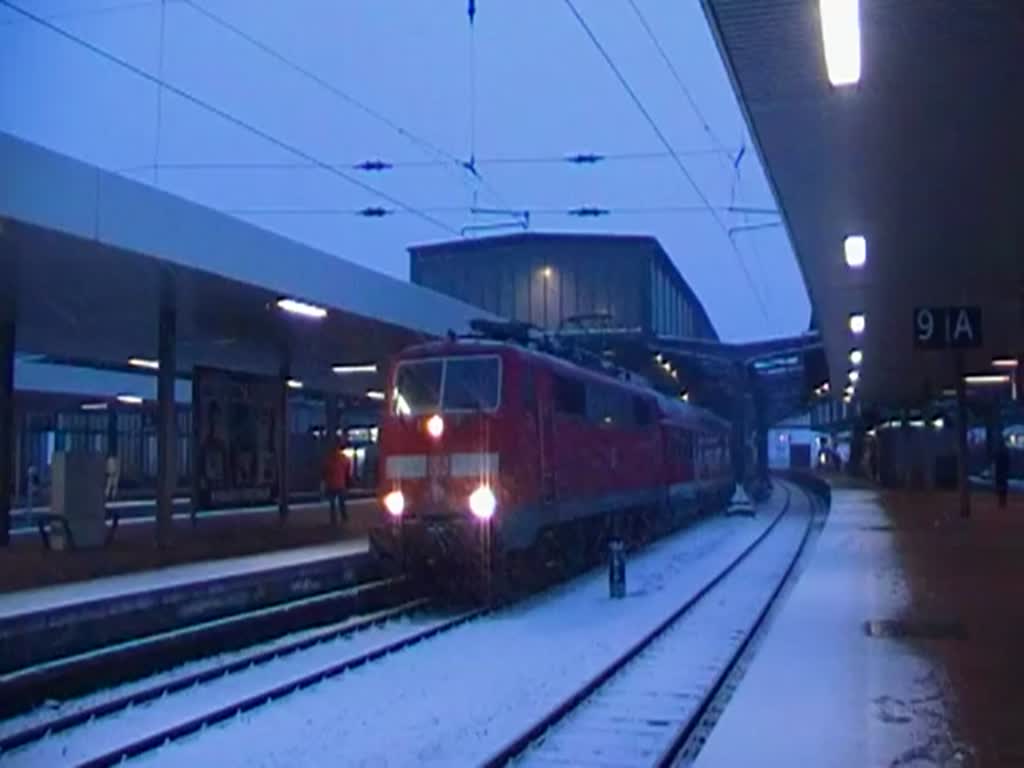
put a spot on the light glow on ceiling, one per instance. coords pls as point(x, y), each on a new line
point(856, 249)
point(840, 33)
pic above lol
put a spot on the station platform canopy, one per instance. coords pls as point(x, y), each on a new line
point(89, 256)
point(919, 153)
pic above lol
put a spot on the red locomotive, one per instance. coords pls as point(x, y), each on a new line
point(496, 451)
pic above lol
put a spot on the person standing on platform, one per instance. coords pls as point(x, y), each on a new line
point(1002, 472)
point(335, 476)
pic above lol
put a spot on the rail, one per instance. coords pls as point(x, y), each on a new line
point(518, 746)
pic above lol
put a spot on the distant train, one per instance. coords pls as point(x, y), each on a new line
point(497, 454)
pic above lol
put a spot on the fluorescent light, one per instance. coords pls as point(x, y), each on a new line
point(987, 378)
point(824, 386)
point(854, 375)
point(375, 394)
point(917, 423)
point(840, 32)
point(94, 406)
point(356, 368)
point(938, 422)
point(142, 362)
point(296, 307)
point(129, 399)
point(856, 249)
point(295, 384)
point(856, 357)
point(1005, 362)
point(857, 323)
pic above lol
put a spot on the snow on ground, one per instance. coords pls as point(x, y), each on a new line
point(633, 718)
point(458, 697)
point(62, 595)
point(76, 745)
point(820, 691)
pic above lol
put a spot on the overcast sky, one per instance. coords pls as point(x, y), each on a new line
point(543, 91)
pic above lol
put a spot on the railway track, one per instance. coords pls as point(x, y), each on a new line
point(646, 705)
point(78, 674)
point(14, 745)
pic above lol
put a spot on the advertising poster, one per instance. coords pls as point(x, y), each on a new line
point(235, 438)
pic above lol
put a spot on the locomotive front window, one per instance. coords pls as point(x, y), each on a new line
point(447, 384)
point(471, 384)
point(418, 386)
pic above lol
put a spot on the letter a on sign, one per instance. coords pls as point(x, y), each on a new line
point(963, 332)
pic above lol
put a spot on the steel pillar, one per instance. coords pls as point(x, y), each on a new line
point(282, 442)
point(167, 425)
point(6, 421)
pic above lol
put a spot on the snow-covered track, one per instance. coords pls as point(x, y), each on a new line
point(239, 664)
point(645, 705)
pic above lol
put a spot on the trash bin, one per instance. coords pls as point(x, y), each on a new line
point(78, 480)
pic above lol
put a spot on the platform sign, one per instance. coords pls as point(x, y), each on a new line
point(947, 327)
point(234, 437)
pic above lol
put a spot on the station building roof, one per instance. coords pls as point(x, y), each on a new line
point(87, 256)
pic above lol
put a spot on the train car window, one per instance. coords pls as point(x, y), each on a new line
point(529, 387)
point(642, 414)
point(471, 384)
point(417, 386)
point(570, 396)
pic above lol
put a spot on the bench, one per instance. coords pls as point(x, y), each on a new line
point(46, 521)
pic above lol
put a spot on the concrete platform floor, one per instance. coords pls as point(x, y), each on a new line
point(901, 645)
point(25, 564)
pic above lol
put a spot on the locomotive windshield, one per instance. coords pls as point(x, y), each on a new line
point(447, 384)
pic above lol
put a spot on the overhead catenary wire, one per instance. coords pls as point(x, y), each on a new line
point(424, 144)
point(668, 146)
point(580, 211)
point(688, 95)
point(224, 115)
point(80, 13)
point(379, 165)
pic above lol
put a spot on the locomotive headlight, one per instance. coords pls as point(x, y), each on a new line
point(482, 502)
point(395, 503)
point(435, 426)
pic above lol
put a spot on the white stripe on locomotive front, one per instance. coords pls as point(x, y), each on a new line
point(413, 466)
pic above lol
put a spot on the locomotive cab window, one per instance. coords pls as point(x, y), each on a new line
point(417, 386)
point(471, 383)
point(570, 396)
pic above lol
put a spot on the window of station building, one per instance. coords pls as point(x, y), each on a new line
point(570, 396)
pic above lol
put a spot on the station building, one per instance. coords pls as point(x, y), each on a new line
point(622, 283)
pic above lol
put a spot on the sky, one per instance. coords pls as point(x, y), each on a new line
point(413, 84)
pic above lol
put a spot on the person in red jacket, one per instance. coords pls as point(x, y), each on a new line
point(336, 472)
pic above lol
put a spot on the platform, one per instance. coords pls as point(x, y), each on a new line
point(900, 645)
point(26, 564)
point(41, 624)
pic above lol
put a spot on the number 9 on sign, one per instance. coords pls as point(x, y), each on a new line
point(924, 323)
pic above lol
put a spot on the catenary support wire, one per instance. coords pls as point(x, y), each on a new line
point(223, 114)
